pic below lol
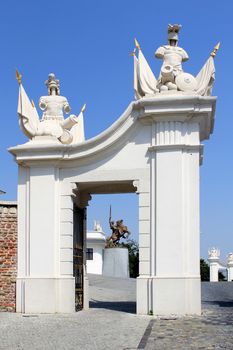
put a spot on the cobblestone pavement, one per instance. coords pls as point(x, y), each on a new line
point(111, 323)
point(212, 330)
point(96, 329)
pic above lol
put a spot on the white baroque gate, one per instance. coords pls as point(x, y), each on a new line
point(153, 149)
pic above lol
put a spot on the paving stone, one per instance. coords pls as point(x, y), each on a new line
point(111, 323)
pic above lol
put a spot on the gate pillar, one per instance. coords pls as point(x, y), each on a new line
point(42, 286)
point(169, 283)
point(214, 262)
point(230, 267)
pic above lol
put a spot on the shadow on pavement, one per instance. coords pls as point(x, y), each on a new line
point(219, 303)
point(123, 306)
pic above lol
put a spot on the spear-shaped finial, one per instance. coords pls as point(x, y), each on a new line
point(18, 77)
point(83, 108)
point(213, 53)
point(137, 44)
point(132, 53)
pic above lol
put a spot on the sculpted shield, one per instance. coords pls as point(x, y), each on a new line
point(186, 82)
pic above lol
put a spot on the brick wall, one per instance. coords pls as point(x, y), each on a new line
point(8, 255)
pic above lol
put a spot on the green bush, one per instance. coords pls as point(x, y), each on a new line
point(133, 249)
point(205, 270)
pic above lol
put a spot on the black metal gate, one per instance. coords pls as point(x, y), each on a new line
point(79, 220)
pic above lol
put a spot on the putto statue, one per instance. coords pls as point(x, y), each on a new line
point(119, 230)
point(172, 79)
point(52, 125)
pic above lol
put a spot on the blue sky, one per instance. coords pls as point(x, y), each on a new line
point(87, 44)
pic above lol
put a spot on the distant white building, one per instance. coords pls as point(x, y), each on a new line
point(95, 249)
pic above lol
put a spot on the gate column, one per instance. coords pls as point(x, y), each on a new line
point(171, 284)
point(41, 288)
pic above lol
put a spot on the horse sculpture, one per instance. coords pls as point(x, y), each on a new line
point(119, 230)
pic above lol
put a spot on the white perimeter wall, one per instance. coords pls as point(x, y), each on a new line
point(96, 265)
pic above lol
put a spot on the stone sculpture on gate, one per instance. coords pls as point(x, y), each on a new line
point(52, 127)
point(172, 79)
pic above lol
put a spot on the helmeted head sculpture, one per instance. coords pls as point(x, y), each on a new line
point(173, 31)
point(53, 85)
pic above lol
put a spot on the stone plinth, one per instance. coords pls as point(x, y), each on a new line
point(8, 255)
point(116, 262)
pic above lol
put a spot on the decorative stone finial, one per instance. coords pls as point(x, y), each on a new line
point(97, 226)
point(18, 77)
point(83, 108)
point(230, 258)
point(216, 48)
point(214, 253)
point(137, 44)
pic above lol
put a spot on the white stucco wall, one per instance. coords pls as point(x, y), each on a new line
point(96, 241)
point(96, 265)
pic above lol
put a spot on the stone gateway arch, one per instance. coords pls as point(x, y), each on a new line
point(154, 149)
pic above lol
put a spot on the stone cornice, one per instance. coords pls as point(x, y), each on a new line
point(189, 148)
point(180, 108)
point(9, 203)
point(147, 110)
